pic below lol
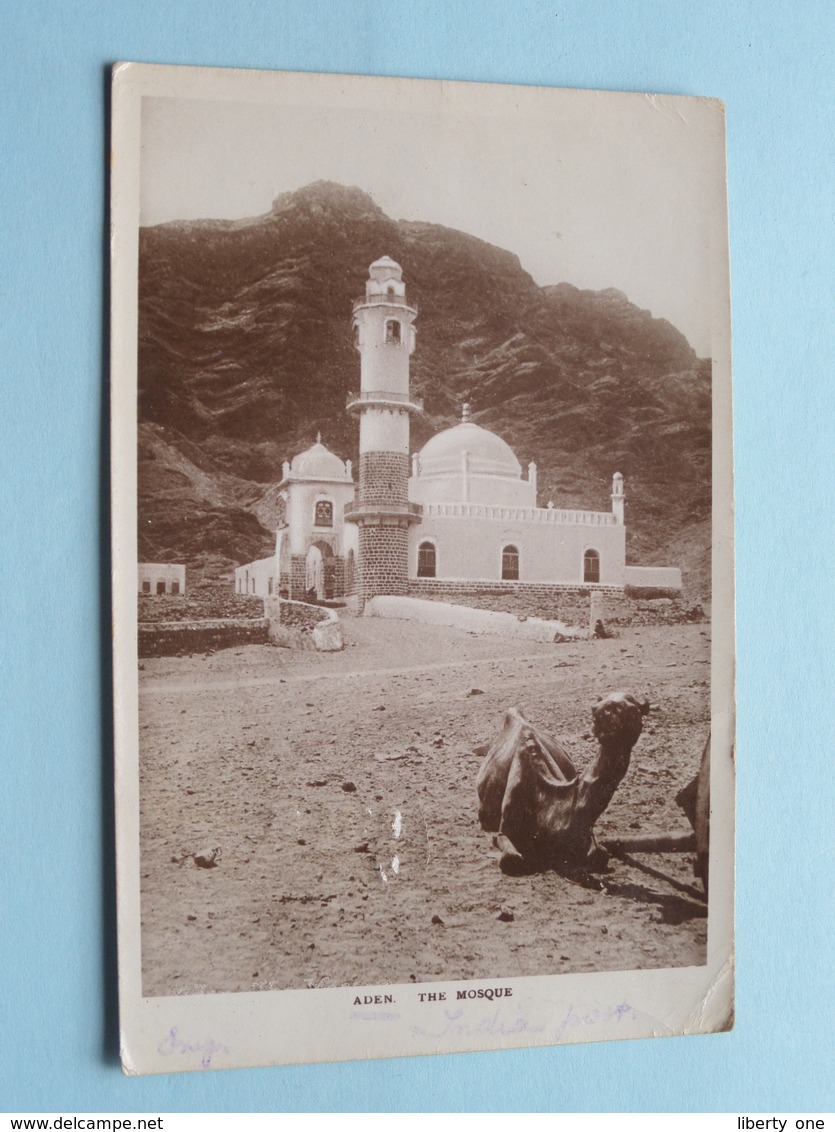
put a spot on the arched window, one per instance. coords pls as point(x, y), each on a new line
point(390, 291)
point(392, 331)
point(510, 564)
point(146, 587)
point(591, 566)
point(269, 585)
point(160, 587)
point(427, 561)
point(324, 513)
point(175, 587)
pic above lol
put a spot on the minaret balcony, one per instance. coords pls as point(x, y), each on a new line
point(394, 513)
point(382, 399)
point(385, 300)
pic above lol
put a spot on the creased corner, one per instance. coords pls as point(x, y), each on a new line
point(715, 1012)
point(129, 1067)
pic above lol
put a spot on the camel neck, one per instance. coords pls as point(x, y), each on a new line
point(615, 748)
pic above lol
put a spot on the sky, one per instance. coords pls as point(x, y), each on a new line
point(595, 189)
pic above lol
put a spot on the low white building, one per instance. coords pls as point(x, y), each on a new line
point(161, 578)
point(256, 578)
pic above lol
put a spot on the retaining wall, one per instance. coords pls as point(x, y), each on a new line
point(203, 603)
point(644, 578)
point(572, 605)
point(569, 604)
point(297, 625)
point(181, 638)
point(467, 618)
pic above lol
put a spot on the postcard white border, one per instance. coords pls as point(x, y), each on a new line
point(296, 1026)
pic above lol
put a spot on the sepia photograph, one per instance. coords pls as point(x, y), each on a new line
point(423, 573)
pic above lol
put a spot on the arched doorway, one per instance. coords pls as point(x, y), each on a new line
point(510, 563)
point(427, 562)
point(319, 571)
point(591, 566)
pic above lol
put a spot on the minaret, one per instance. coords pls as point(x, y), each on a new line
point(385, 338)
point(617, 498)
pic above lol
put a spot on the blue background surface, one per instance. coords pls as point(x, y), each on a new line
point(772, 64)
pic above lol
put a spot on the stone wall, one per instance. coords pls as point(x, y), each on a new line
point(298, 625)
point(334, 576)
point(569, 604)
point(206, 603)
point(349, 584)
point(384, 479)
point(182, 638)
point(295, 614)
point(646, 578)
point(646, 593)
point(383, 559)
point(298, 577)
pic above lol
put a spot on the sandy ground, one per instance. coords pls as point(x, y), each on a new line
point(340, 792)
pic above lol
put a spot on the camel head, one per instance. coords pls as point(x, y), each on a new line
point(618, 717)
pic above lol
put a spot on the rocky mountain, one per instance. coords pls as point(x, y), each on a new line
point(245, 352)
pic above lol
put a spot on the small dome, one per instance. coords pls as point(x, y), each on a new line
point(317, 463)
point(487, 454)
point(385, 268)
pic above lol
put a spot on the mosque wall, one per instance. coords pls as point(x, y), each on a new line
point(471, 549)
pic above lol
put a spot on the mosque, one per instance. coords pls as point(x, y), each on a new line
point(456, 519)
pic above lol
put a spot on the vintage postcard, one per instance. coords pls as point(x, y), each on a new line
point(422, 566)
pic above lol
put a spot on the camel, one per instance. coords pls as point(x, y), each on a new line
point(534, 799)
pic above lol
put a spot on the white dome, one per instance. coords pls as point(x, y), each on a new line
point(487, 453)
point(317, 463)
point(386, 261)
point(385, 268)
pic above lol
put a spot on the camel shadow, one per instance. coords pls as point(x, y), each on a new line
point(674, 909)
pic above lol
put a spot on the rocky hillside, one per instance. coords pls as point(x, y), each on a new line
point(245, 351)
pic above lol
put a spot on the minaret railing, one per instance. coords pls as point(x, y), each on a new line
point(383, 397)
point(385, 300)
